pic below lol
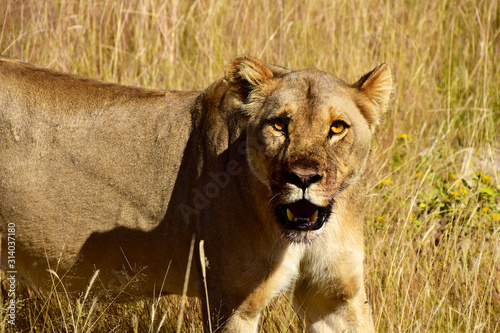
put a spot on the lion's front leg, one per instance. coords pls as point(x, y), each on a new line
point(237, 322)
point(330, 295)
point(227, 314)
point(324, 313)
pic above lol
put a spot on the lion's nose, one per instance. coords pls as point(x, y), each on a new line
point(303, 180)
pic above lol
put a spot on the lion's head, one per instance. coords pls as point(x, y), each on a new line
point(308, 135)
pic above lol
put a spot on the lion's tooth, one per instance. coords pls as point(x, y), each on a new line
point(314, 216)
point(290, 215)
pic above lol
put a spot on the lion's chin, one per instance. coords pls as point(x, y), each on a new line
point(301, 220)
point(306, 237)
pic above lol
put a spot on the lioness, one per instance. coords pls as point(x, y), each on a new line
point(264, 166)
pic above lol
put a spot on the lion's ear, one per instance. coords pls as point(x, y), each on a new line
point(249, 82)
point(373, 92)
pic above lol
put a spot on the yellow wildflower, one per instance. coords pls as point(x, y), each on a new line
point(453, 175)
point(418, 175)
point(455, 193)
point(403, 136)
point(495, 217)
point(464, 191)
point(380, 219)
point(486, 178)
point(386, 181)
point(485, 209)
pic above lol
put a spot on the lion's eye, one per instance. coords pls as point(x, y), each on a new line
point(338, 127)
point(279, 124)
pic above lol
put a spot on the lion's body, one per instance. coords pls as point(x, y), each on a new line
point(129, 181)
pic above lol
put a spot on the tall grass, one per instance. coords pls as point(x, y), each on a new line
point(432, 228)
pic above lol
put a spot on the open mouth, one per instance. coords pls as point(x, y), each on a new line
point(302, 215)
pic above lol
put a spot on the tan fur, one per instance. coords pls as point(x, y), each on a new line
point(98, 176)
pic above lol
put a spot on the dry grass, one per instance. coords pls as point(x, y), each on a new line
point(432, 235)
